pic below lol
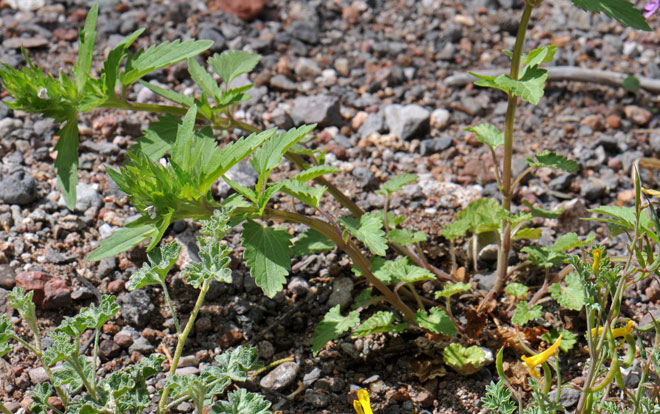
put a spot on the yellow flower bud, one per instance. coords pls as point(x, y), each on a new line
point(538, 359)
point(617, 332)
point(598, 253)
point(362, 405)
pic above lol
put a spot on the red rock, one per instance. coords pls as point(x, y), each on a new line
point(230, 338)
point(57, 294)
point(124, 341)
point(149, 334)
point(615, 163)
point(65, 34)
point(245, 9)
point(116, 286)
point(639, 116)
point(56, 402)
point(594, 122)
point(613, 121)
point(30, 42)
point(33, 282)
point(349, 14)
point(653, 291)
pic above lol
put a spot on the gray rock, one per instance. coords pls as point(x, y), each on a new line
point(141, 345)
point(319, 109)
point(38, 375)
point(244, 174)
point(593, 189)
point(485, 282)
point(307, 69)
point(312, 376)
point(298, 285)
point(219, 42)
point(280, 377)
point(562, 182)
point(317, 399)
point(7, 277)
point(366, 179)
point(435, 145)
point(282, 83)
point(408, 121)
point(106, 266)
point(375, 122)
point(342, 289)
point(136, 307)
point(304, 31)
point(108, 349)
point(18, 188)
point(568, 398)
point(4, 293)
point(654, 142)
point(629, 157)
point(86, 196)
point(440, 118)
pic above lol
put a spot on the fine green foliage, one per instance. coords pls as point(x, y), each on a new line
point(268, 256)
point(233, 63)
point(570, 297)
point(453, 289)
point(161, 260)
point(623, 219)
point(517, 290)
point(213, 264)
point(551, 160)
point(488, 134)
point(464, 360)
point(332, 326)
point(369, 230)
point(311, 242)
point(498, 398)
point(391, 272)
point(6, 332)
point(621, 10)
point(235, 364)
point(568, 339)
point(543, 256)
point(382, 321)
point(524, 313)
point(436, 321)
point(158, 139)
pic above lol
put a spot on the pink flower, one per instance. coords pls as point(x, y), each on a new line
point(651, 7)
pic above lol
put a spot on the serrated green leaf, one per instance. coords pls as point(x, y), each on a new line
point(101, 314)
point(488, 134)
point(568, 339)
point(332, 326)
point(242, 190)
point(61, 348)
point(517, 290)
point(22, 301)
point(570, 241)
point(360, 300)
point(480, 216)
point(235, 95)
point(544, 256)
point(540, 55)
point(623, 220)
point(87, 37)
point(392, 219)
point(528, 234)
point(572, 296)
point(488, 82)
point(161, 260)
point(395, 184)
point(436, 321)
point(311, 242)
point(498, 398)
point(235, 364)
point(242, 402)
point(68, 375)
point(451, 289)
point(182, 149)
point(170, 95)
point(204, 80)
point(307, 194)
point(551, 160)
point(111, 65)
point(40, 394)
point(316, 171)
point(406, 237)
point(369, 230)
point(268, 255)
point(66, 162)
point(465, 361)
point(213, 264)
point(158, 57)
point(529, 87)
point(233, 63)
point(539, 212)
point(621, 10)
point(122, 240)
point(6, 332)
point(379, 322)
point(158, 138)
point(269, 155)
point(524, 313)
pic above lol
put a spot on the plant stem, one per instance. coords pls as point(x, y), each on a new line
point(95, 353)
point(506, 189)
point(4, 409)
point(171, 306)
point(181, 342)
point(271, 365)
point(360, 261)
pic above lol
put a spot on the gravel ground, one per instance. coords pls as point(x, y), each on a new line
point(371, 73)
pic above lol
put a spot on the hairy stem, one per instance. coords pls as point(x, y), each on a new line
point(506, 189)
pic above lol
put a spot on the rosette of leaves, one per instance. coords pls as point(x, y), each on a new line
point(466, 361)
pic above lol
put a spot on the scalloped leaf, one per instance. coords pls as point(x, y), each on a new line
point(332, 326)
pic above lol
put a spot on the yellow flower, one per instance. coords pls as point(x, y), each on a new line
point(362, 405)
point(617, 332)
point(538, 359)
point(598, 253)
